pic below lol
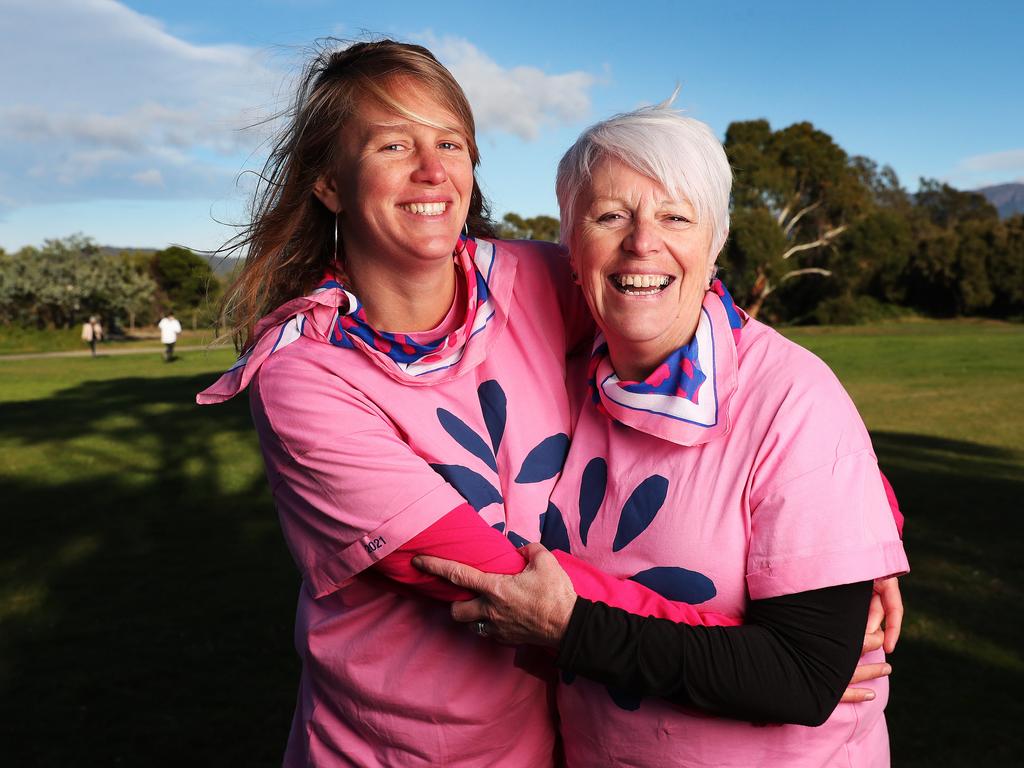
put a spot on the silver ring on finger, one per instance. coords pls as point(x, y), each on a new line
point(481, 628)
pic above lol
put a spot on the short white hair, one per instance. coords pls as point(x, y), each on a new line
point(680, 153)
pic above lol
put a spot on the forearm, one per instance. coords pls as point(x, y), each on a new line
point(789, 663)
point(595, 585)
point(463, 536)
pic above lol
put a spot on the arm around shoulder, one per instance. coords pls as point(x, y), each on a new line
point(819, 514)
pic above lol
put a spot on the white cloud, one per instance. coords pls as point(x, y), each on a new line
point(151, 177)
point(987, 169)
point(81, 165)
point(1011, 161)
point(520, 100)
point(107, 102)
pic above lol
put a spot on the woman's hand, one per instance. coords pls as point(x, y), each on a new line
point(531, 607)
point(887, 605)
point(886, 608)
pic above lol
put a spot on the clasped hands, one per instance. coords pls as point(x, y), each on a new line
point(533, 608)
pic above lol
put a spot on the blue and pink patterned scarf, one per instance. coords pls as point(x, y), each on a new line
point(333, 314)
point(685, 399)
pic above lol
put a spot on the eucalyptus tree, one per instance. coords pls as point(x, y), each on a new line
point(515, 227)
point(796, 192)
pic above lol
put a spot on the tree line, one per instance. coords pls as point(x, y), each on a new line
point(820, 236)
point(63, 282)
point(817, 236)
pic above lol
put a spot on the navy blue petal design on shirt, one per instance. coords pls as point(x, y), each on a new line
point(493, 404)
point(516, 539)
point(553, 534)
point(677, 584)
point(625, 699)
point(640, 509)
point(545, 460)
point(592, 489)
point(474, 489)
point(499, 527)
point(466, 437)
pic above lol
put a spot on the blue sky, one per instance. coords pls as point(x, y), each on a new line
point(126, 120)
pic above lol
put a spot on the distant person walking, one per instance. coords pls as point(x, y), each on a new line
point(169, 330)
point(92, 332)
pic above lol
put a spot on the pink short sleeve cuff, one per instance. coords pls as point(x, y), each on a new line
point(331, 573)
point(828, 569)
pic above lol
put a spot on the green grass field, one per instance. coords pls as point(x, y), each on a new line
point(146, 596)
point(15, 340)
point(943, 403)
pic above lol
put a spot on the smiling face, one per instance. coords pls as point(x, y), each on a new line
point(643, 262)
point(402, 187)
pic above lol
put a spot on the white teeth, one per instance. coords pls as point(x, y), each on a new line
point(643, 281)
point(426, 209)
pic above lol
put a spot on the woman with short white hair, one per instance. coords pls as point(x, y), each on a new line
point(713, 461)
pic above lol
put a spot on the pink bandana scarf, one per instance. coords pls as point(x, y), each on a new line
point(332, 314)
point(686, 399)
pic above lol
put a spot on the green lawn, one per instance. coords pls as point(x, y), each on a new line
point(943, 403)
point(146, 596)
point(16, 340)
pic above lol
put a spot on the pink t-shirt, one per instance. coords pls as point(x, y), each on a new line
point(362, 454)
point(759, 482)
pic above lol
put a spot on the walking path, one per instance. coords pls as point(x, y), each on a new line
point(132, 350)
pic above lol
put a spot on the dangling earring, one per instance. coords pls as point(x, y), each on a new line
point(460, 246)
point(575, 277)
point(337, 216)
point(712, 274)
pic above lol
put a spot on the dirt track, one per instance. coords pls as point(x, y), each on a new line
point(133, 350)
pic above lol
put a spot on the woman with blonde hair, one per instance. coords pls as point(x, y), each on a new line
point(407, 384)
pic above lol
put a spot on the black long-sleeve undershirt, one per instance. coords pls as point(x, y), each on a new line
point(788, 663)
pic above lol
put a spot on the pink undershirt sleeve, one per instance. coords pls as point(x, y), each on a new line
point(462, 535)
point(894, 505)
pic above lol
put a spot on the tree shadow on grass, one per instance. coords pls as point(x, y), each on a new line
point(147, 610)
point(958, 670)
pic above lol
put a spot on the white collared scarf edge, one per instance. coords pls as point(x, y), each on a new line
point(305, 316)
point(702, 375)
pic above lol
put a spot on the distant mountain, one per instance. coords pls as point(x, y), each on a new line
point(1007, 198)
point(117, 250)
point(221, 266)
